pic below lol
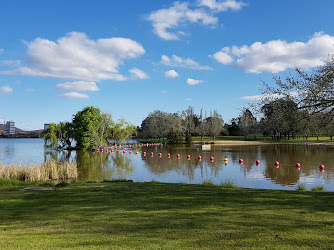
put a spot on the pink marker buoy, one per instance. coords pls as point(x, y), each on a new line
point(97, 150)
point(112, 151)
point(276, 163)
point(144, 153)
point(130, 152)
point(160, 154)
point(297, 165)
point(178, 156)
point(212, 158)
point(241, 161)
point(124, 152)
point(321, 167)
point(168, 155)
point(257, 163)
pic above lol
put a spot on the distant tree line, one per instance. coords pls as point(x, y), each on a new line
point(185, 124)
point(89, 129)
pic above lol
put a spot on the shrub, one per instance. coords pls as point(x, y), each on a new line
point(301, 187)
point(208, 183)
point(317, 189)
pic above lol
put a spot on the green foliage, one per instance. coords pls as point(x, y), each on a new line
point(208, 183)
point(188, 138)
point(50, 136)
point(84, 122)
point(62, 184)
point(301, 187)
point(317, 189)
point(122, 131)
point(174, 138)
point(228, 184)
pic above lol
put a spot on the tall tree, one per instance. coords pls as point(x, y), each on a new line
point(50, 136)
point(84, 122)
point(215, 124)
point(246, 123)
point(122, 130)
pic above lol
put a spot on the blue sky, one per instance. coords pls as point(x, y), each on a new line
point(130, 58)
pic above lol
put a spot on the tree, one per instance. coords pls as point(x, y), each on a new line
point(84, 123)
point(280, 117)
point(122, 131)
point(246, 123)
point(215, 124)
point(202, 128)
point(65, 134)
point(50, 136)
point(189, 124)
point(155, 125)
point(313, 92)
point(102, 131)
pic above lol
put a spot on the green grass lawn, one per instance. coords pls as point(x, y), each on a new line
point(127, 215)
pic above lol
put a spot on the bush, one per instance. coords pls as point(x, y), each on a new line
point(208, 183)
point(301, 187)
point(317, 189)
point(228, 184)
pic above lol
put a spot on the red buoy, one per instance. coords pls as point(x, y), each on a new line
point(321, 167)
point(144, 153)
point(168, 155)
point(241, 161)
point(257, 163)
point(160, 154)
point(297, 165)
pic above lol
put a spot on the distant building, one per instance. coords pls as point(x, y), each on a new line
point(46, 126)
point(10, 128)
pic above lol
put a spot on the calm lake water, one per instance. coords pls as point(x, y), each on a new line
point(100, 166)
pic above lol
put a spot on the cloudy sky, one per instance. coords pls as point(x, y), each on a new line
point(130, 58)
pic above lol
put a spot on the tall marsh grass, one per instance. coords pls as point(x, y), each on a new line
point(50, 170)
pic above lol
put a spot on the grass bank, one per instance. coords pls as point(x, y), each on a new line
point(126, 215)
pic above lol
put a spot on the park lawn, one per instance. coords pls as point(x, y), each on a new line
point(126, 215)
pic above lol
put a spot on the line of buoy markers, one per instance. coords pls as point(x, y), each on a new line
point(241, 161)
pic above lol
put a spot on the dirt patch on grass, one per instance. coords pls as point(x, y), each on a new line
point(37, 189)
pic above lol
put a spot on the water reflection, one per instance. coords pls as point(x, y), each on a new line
point(100, 166)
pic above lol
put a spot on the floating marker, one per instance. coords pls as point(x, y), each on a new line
point(322, 167)
point(130, 152)
point(160, 154)
point(297, 165)
point(257, 163)
point(144, 153)
point(97, 150)
point(241, 161)
point(178, 156)
point(211, 158)
point(276, 163)
point(124, 152)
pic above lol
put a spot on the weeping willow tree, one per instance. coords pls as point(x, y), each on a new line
point(50, 136)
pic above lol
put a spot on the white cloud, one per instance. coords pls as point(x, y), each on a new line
point(74, 95)
point(2, 120)
point(176, 61)
point(223, 56)
point(221, 5)
point(31, 90)
point(137, 73)
point(10, 63)
point(189, 99)
point(193, 81)
point(1, 51)
point(164, 92)
point(77, 57)
point(171, 74)
point(6, 89)
point(268, 96)
point(276, 56)
point(165, 19)
point(77, 86)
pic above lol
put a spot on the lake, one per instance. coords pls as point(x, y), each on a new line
point(99, 166)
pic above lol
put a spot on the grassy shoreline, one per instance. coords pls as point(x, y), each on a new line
point(127, 215)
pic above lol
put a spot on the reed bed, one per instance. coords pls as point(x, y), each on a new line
point(49, 170)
